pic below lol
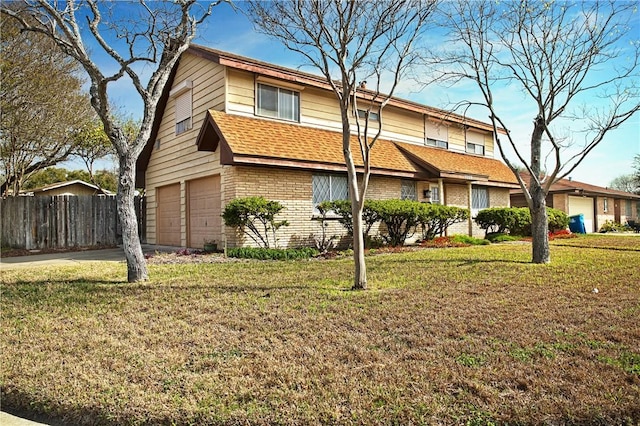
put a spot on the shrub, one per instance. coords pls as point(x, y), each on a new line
point(262, 253)
point(436, 218)
point(558, 220)
point(611, 226)
point(255, 216)
point(325, 242)
point(400, 218)
point(517, 220)
point(342, 209)
point(497, 237)
point(465, 239)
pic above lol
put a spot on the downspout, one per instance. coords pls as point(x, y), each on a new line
point(442, 200)
point(470, 195)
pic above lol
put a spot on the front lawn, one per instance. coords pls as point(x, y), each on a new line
point(605, 241)
point(444, 336)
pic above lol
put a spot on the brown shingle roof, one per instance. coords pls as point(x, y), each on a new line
point(448, 162)
point(567, 185)
point(269, 139)
point(247, 137)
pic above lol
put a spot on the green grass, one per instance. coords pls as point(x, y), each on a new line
point(473, 335)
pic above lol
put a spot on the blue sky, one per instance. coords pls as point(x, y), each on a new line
point(231, 31)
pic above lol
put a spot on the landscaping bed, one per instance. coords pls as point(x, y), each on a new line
point(470, 335)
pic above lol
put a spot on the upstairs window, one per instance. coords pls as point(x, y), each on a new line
point(373, 115)
point(181, 93)
point(475, 143)
point(479, 198)
point(408, 190)
point(437, 134)
point(329, 188)
point(277, 102)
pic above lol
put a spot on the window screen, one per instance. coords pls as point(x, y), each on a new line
point(278, 103)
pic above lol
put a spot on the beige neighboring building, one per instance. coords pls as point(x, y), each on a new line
point(231, 127)
point(596, 203)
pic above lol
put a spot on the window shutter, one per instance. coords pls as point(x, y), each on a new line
point(475, 137)
point(437, 131)
point(183, 106)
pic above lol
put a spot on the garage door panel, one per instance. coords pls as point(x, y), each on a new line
point(168, 215)
point(583, 205)
point(204, 205)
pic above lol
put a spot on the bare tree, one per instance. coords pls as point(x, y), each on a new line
point(626, 183)
point(151, 33)
point(42, 104)
point(92, 144)
point(351, 43)
point(576, 64)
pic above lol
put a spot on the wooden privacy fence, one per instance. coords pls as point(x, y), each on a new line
point(63, 221)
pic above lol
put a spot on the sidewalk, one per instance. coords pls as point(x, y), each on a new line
point(75, 257)
point(7, 419)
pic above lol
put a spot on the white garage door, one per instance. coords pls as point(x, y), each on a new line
point(583, 205)
point(203, 201)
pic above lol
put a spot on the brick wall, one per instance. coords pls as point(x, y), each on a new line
point(293, 189)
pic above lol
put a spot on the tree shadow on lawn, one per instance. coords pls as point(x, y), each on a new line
point(463, 261)
point(125, 288)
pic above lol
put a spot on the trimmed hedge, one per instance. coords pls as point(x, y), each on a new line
point(261, 253)
point(517, 220)
point(255, 216)
point(436, 218)
point(400, 217)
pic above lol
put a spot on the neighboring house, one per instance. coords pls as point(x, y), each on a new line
point(73, 187)
point(596, 203)
point(230, 127)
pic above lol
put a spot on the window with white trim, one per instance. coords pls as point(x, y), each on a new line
point(479, 198)
point(605, 205)
point(435, 194)
point(181, 93)
point(437, 134)
point(277, 102)
point(329, 188)
point(475, 143)
point(408, 190)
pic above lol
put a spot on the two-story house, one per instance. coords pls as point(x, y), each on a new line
point(231, 127)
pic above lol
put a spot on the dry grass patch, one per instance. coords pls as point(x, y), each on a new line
point(452, 336)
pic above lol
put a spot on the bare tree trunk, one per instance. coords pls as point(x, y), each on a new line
point(136, 264)
point(538, 204)
point(539, 226)
point(360, 270)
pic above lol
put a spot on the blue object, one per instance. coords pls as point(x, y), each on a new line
point(576, 224)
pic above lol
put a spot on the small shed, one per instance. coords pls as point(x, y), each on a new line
point(73, 187)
